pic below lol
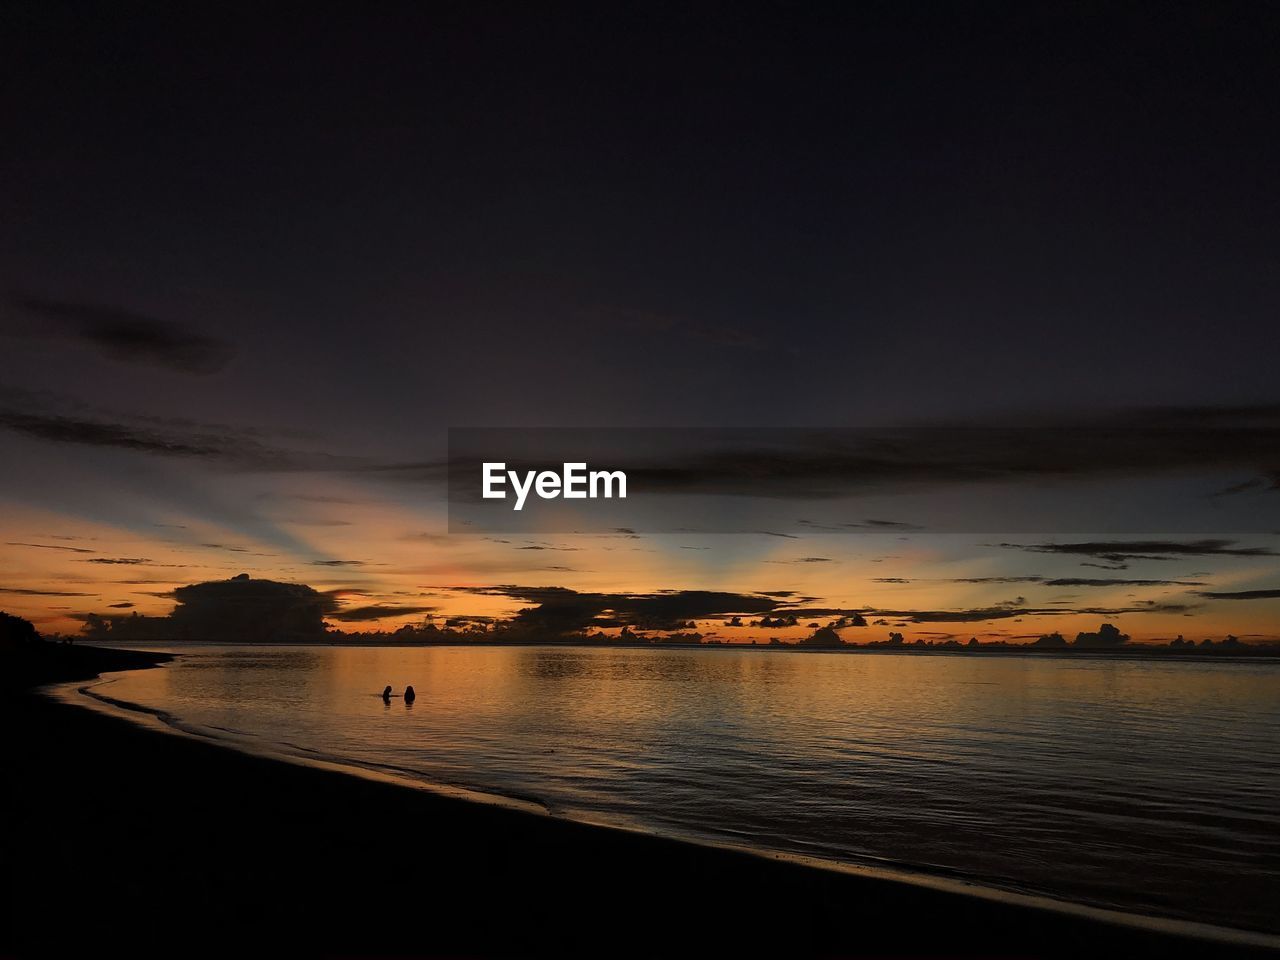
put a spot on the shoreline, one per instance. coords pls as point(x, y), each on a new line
point(72, 692)
point(632, 862)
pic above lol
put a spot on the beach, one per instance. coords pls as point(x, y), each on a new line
point(157, 843)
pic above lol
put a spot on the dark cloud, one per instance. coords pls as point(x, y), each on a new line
point(27, 592)
point(1143, 606)
point(123, 561)
point(98, 434)
point(48, 546)
point(975, 615)
point(1241, 595)
point(60, 420)
point(339, 563)
point(560, 610)
point(818, 465)
point(804, 560)
point(376, 612)
point(344, 593)
point(1118, 582)
point(133, 337)
point(996, 580)
point(122, 605)
point(251, 609)
point(1055, 582)
point(802, 465)
point(240, 609)
point(1118, 553)
point(1000, 611)
point(1268, 482)
point(312, 498)
point(864, 525)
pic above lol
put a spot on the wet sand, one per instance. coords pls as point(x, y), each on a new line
point(158, 844)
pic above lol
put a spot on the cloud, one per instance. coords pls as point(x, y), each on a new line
point(1117, 553)
point(48, 546)
point(376, 612)
point(803, 465)
point(865, 525)
point(28, 592)
point(132, 337)
point(339, 563)
point(239, 449)
point(975, 580)
point(1055, 582)
point(98, 434)
point(57, 419)
point(1008, 610)
point(1119, 582)
point(1241, 595)
point(241, 609)
point(980, 614)
point(818, 465)
point(560, 610)
point(313, 498)
point(1269, 482)
point(975, 615)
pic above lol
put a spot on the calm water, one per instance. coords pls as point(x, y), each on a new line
point(1151, 787)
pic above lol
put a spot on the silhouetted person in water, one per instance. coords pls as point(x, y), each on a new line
point(409, 695)
point(386, 694)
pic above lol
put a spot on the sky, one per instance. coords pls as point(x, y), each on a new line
point(256, 264)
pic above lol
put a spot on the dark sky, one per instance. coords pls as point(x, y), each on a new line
point(490, 214)
point(231, 233)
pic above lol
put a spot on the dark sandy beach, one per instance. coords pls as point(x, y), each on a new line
point(198, 849)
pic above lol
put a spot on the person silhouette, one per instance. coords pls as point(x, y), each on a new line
point(409, 695)
point(386, 694)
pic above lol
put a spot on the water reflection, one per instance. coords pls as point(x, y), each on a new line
point(1145, 785)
